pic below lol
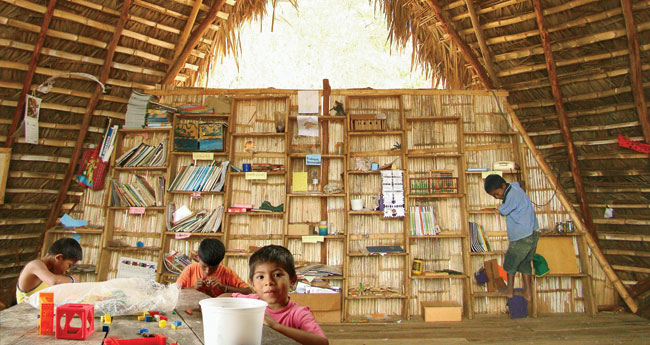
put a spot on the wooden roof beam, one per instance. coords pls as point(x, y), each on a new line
point(179, 62)
point(30, 72)
point(631, 269)
point(641, 287)
point(189, 24)
point(563, 120)
point(636, 77)
point(485, 51)
point(90, 109)
point(582, 113)
point(464, 48)
point(617, 236)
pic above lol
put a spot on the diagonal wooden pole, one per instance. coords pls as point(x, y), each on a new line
point(30, 72)
point(464, 48)
point(563, 119)
point(636, 77)
point(90, 109)
point(192, 42)
point(188, 27)
point(485, 51)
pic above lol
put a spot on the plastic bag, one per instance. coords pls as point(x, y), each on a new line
point(123, 296)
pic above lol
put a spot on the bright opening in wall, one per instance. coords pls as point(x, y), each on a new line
point(344, 41)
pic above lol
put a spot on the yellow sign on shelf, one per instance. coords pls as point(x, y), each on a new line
point(256, 175)
point(202, 156)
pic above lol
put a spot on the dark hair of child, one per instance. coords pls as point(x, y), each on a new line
point(272, 253)
point(493, 182)
point(68, 247)
point(211, 251)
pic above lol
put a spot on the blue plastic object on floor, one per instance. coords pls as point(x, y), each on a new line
point(517, 306)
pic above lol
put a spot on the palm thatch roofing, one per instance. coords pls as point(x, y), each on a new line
point(585, 61)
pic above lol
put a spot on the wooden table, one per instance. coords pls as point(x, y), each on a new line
point(19, 326)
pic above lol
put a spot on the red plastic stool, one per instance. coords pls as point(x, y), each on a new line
point(86, 313)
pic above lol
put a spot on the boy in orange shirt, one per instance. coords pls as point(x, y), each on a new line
point(208, 275)
point(50, 270)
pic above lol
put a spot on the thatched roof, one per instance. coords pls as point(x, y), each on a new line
point(600, 81)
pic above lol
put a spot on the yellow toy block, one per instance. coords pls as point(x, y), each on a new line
point(175, 327)
point(162, 324)
point(141, 318)
point(106, 318)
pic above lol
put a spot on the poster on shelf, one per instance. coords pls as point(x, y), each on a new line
point(32, 111)
point(307, 126)
point(136, 268)
point(308, 102)
point(314, 159)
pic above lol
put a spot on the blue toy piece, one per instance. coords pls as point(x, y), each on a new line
point(139, 244)
point(148, 318)
point(106, 327)
point(177, 323)
point(144, 330)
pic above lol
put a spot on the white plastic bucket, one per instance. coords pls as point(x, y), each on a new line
point(357, 204)
point(232, 321)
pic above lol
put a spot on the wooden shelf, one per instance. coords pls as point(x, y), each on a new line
point(190, 153)
point(559, 234)
point(327, 237)
point(377, 255)
point(359, 172)
point(495, 252)
point(323, 117)
point(212, 116)
point(163, 168)
point(239, 254)
point(445, 151)
point(269, 134)
point(367, 213)
point(297, 195)
point(436, 196)
point(441, 235)
point(494, 212)
point(374, 133)
point(433, 155)
point(256, 214)
point(441, 276)
point(361, 297)
point(140, 130)
point(132, 249)
point(256, 237)
point(432, 118)
point(303, 155)
point(488, 294)
point(195, 234)
point(502, 171)
point(136, 234)
point(80, 230)
point(235, 173)
point(202, 193)
point(146, 208)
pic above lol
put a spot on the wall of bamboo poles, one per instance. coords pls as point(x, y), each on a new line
point(90, 207)
point(91, 246)
point(434, 290)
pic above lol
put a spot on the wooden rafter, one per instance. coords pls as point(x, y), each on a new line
point(188, 28)
point(640, 288)
point(30, 72)
point(464, 48)
point(90, 109)
point(562, 118)
point(179, 62)
point(636, 79)
point(487, 57)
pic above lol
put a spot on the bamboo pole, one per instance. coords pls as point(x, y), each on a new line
point(625, 252)
point(485, 51)
point(636, 77)
point(189, 24)
point(552, 180)
point(588, 128)
point(92, 104)
point(563, 120)
point(464, 48)
point(30, 72)
point(179, 62)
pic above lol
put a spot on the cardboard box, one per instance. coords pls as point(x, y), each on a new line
point(298, 229)
point(441, 311)
point(326, 307)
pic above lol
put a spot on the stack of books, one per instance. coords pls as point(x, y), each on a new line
point(423, 221)
point(478, 239)
point(176, 262)
point(209, 178)
point(136, 110)
point(137, 194)
point(144, 155)
point(199, 222)
point(108, 143)
point(240, 208)
point(192, 109)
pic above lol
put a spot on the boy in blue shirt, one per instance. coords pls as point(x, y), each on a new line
point(521, 225)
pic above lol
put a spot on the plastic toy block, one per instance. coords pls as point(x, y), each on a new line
point(162, 324)
point(153, 312)
point(106, 327)
point(177, 323)
point(154, 340)
point(106, 318)
point(86, 312)
point(188, 311)
point(163, 317)
point(46, 315)
point(140, 318)
point(148, 318)
point(143, 330)
point(156, 317)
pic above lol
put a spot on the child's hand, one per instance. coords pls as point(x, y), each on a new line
point(213, 282)
point(269, 321)
point(200, 284)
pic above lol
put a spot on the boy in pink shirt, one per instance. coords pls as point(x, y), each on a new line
point(272, 273)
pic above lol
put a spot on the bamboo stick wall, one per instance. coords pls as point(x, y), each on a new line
point(479, 114)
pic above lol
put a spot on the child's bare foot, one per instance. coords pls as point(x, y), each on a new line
point(507, 292)
point(525, 294)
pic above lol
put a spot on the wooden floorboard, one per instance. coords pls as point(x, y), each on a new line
point(557, 329)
